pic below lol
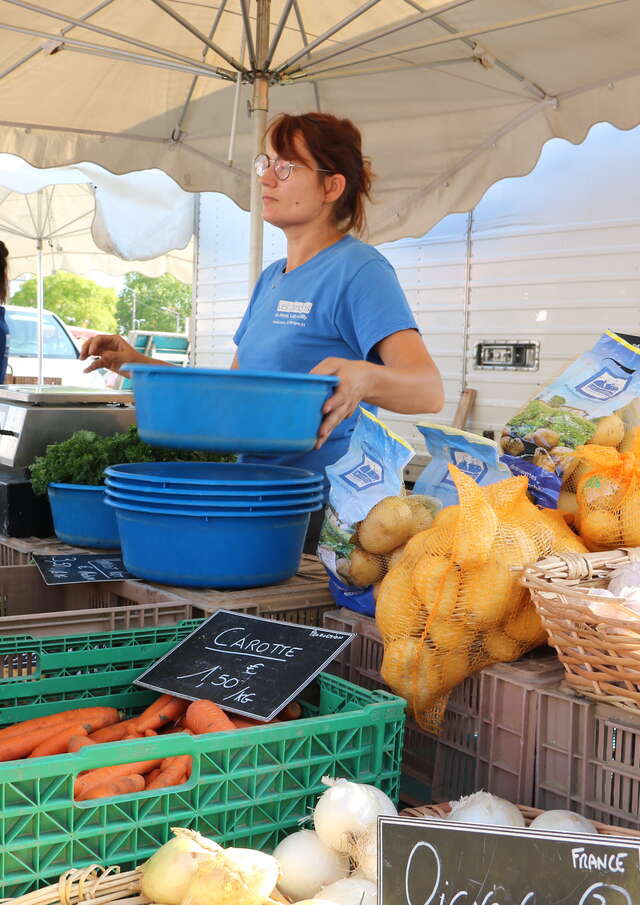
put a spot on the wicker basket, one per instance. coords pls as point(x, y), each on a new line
point(600, 653)
point(441, 810)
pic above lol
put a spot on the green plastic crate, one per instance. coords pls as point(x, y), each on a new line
point(248, 788)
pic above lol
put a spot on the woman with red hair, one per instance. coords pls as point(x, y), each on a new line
point(334, 304)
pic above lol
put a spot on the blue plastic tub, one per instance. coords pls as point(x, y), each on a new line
point(81, 518)
point(223, 475)
point(297, 504)
point(229, 411)
point(222, 550)
point(215, 493)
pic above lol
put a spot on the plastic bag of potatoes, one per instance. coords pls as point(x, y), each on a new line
point(452, 602)
point(586, 404)
point(368, 515)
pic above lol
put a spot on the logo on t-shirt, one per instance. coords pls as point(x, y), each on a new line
point(294, 313)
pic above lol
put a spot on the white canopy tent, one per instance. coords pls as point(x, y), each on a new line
point(451, 95)
point(84, 218)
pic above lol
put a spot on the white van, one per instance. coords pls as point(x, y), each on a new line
point(61, 354)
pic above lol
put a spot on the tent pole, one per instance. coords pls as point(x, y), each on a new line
point(259, 111)
point(40, 296)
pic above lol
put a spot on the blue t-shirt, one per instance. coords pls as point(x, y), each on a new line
point(340, 303)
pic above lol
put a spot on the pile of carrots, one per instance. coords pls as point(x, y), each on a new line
point(70, 730)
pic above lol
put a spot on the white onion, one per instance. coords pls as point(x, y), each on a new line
point(563, 822)
point(485, 809)
point(352, 891)
point(306, 864)
point(235, 876)
point(346, 810)
point(167, 875)
point(625, 580)
point(365, 854)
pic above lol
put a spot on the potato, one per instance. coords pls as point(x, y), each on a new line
point(526, 626)
point(411, 670)
point(630, 517)
point(432, 542)
point(436, 584)
point(600, 528)
point(629, 440)
point(471, 548)
point(365, 568)
point(454, 669)
point(423, 510)
point(386, 526)
point(450, 634)
point(501, 647)
point(489, 592)
point(398, 610)
point(395, 556)
point(609, 431)
point(447, 519)
point(568, 502)
point(564, 540)
point(598, 492)
point(512, 446)
point(545, 438)
point(565, 461)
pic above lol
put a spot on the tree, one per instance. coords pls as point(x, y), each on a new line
point(77, 300)
point(155, 303)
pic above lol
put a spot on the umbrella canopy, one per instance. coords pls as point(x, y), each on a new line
point(84, 218)
point(451, 95)
point(68, 218)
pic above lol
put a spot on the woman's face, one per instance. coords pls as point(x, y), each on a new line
point(305, 197)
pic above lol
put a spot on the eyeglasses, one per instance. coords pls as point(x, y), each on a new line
point(282, 168)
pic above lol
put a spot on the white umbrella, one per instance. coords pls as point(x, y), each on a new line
point(83, 218)
point(451, 95)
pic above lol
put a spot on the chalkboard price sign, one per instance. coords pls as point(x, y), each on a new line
point(75, 568)
point(433, 862)
point(245, 664)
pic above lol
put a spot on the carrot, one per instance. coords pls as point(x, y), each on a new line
point(172, 771)
point(121, 785)
point(113, 733)
point(100, 775)
point(103, 716)
point(293, 711)
point(204, 716)
point(58, 743)
point(168, 712)
point(243, 722)
point(79, 741)
point(152, 775)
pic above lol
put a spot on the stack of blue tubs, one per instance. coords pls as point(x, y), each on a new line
point(212, 524)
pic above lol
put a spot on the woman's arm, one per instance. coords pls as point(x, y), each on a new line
point(408, 381)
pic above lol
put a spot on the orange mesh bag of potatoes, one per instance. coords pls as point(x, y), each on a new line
point(453, 602)
point(608, 497)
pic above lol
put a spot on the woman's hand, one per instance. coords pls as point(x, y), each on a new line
point(354, 379)
point(110, 351)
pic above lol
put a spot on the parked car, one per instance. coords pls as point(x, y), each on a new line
point(61, 354)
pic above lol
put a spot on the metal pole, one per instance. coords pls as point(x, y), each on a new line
point(40, 296)
point(259, 111)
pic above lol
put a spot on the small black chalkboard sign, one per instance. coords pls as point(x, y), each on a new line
point(74, 568)
point(433, 862)
point(245, 664)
